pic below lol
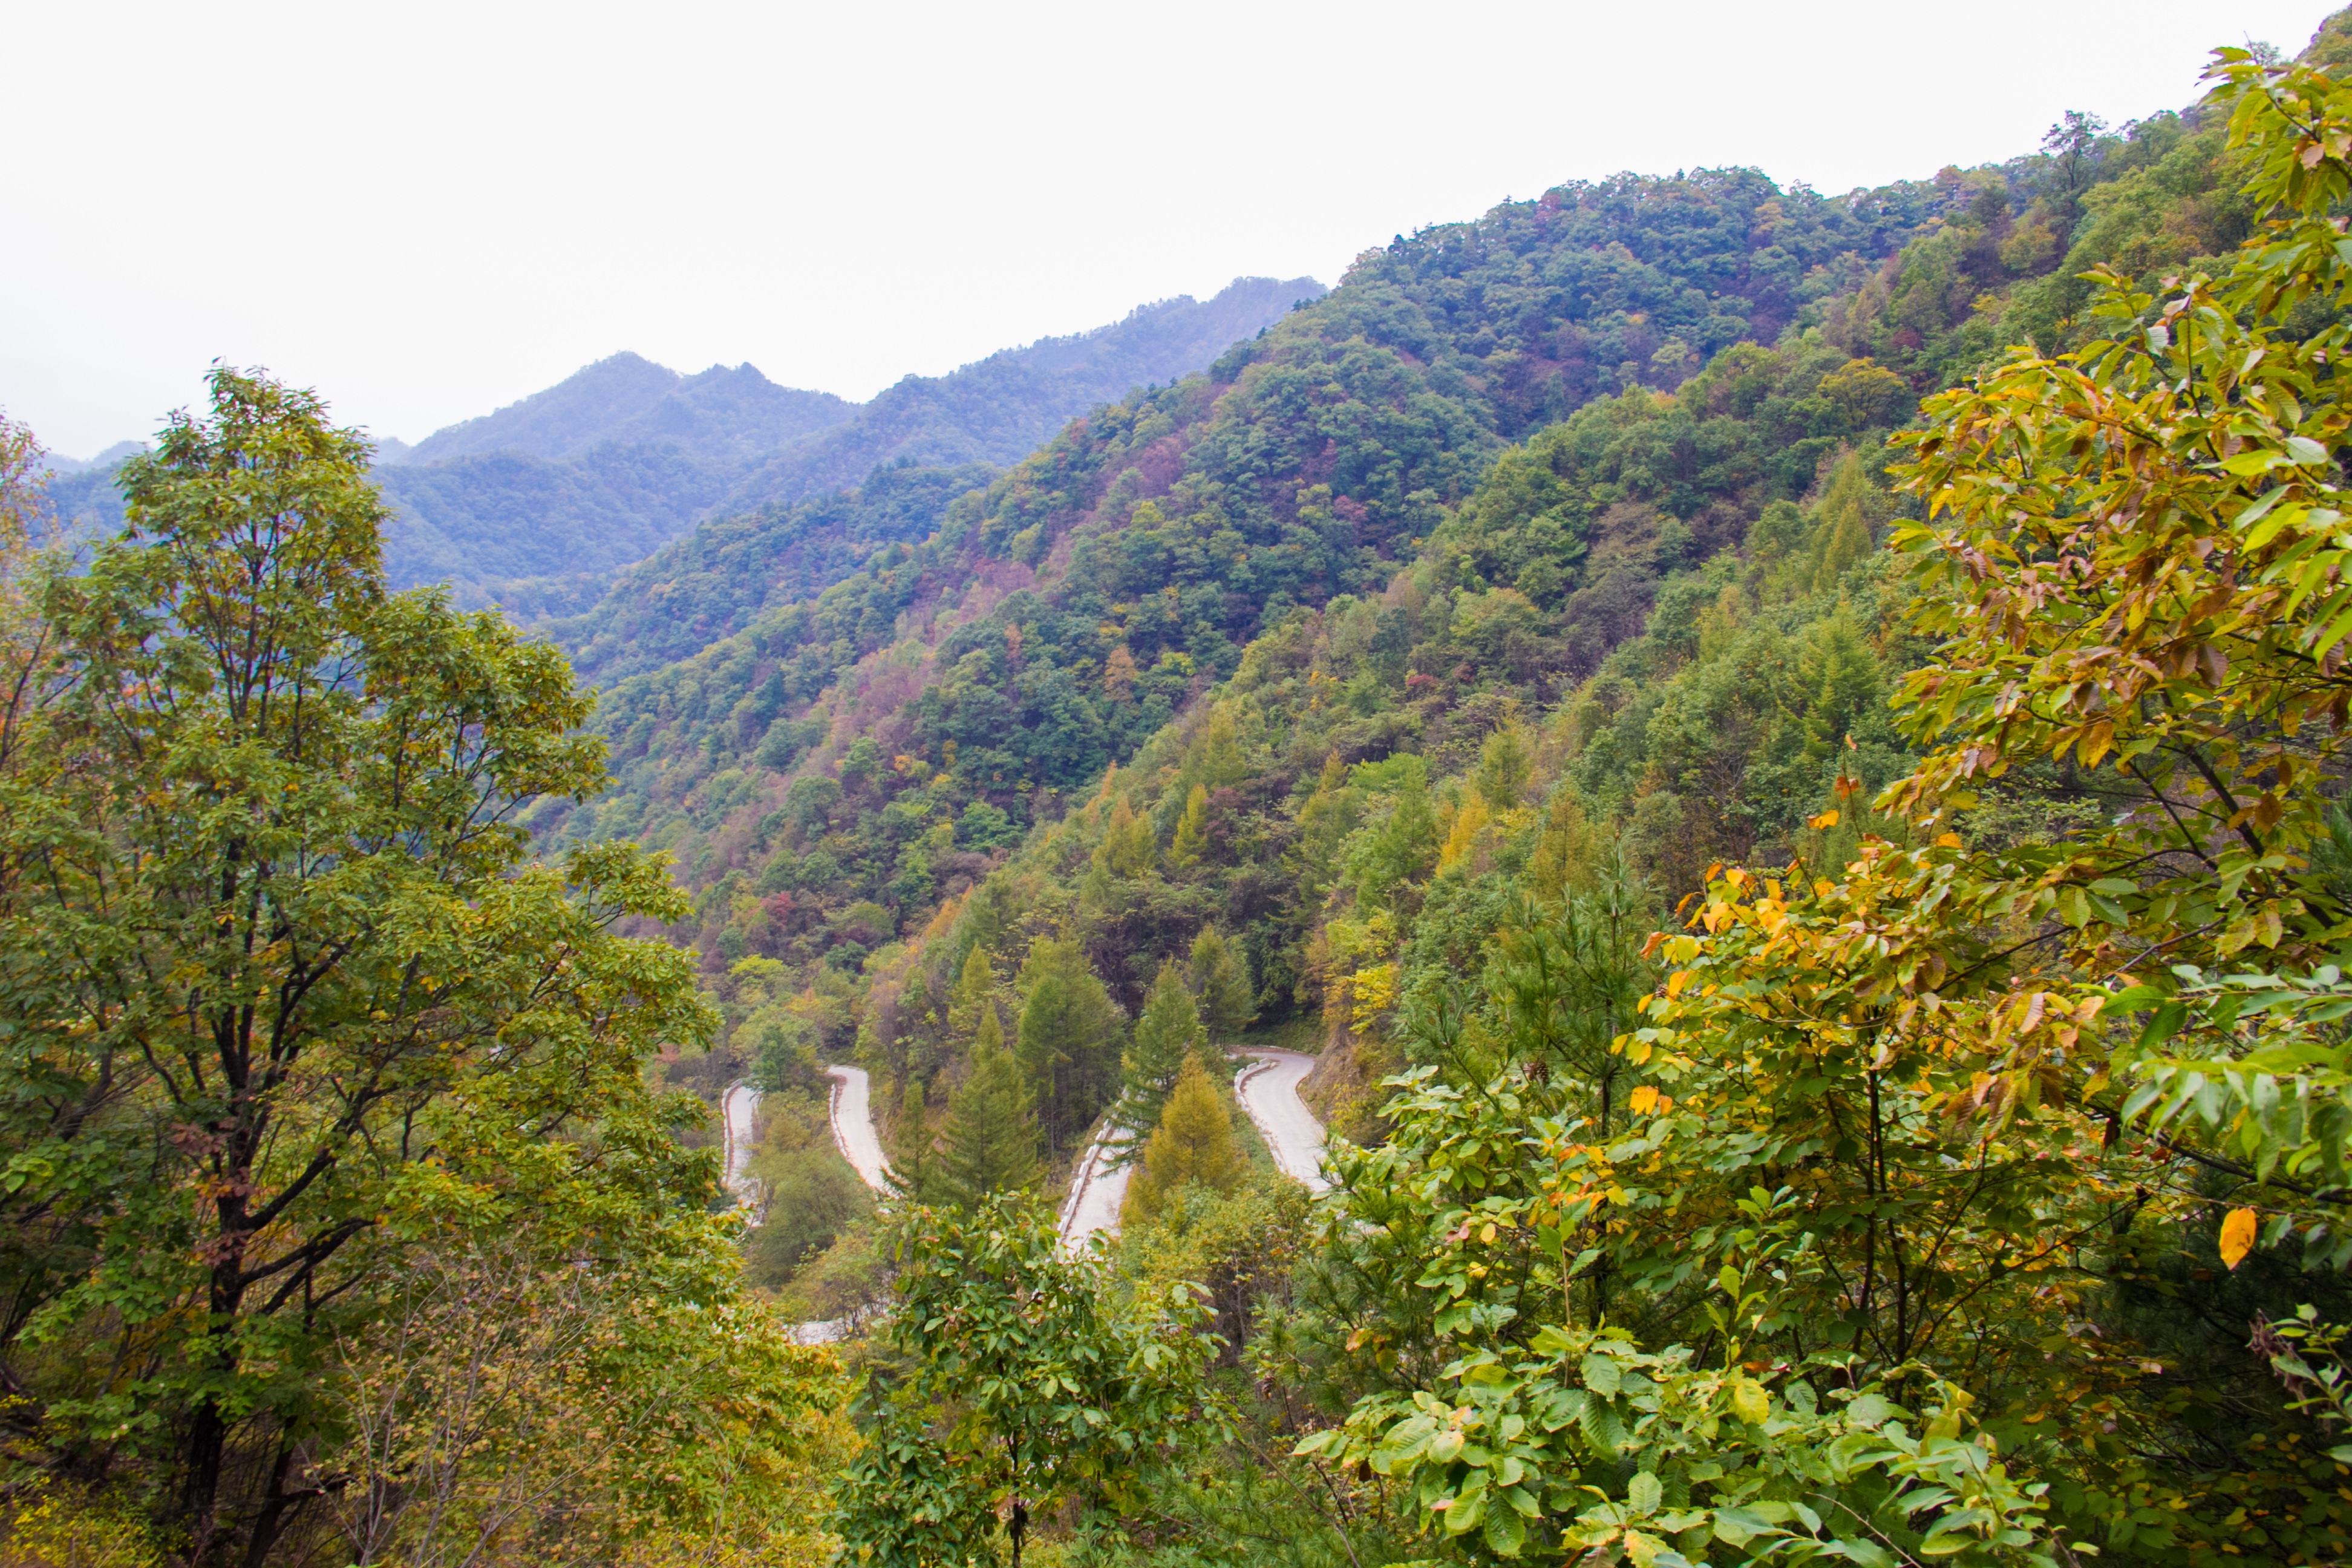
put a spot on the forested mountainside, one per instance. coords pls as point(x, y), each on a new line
point(1062, 617)
point(1785, 757)
point(590, 476)
point(722, 413)
point(999, 409)
point(1386, 689)
point(537, 505)
point(723, 575)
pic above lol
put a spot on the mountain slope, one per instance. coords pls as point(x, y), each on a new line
point(719, 579)
point(959, 689)
point(999, 409)
point(602, 469)
point(721, 413)
point(1057, 621)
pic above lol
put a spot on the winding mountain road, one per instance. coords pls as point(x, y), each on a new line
point(1268, 1090)
point(739, 1130)
point(1096, 1193)
point(853, 1127)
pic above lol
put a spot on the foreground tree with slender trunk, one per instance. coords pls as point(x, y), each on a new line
point(281, 986)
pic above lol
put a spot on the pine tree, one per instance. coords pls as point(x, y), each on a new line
point(1165, 1037)
point(1506, 763)
point(1221, 979)
point(1119, 674)
point(913, 1171)
point(1127, 849)
point(1220, 751)
point(1191, 839)
point(1567, 854)
point(1068, 1038)
point(974, 988)
point(1193, 1142)
point(1846, 680)
point(992, 1137)
point(1842, 530)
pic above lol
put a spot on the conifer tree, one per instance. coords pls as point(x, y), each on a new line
point(1191, 839)
point(1165, 1037)
point(1844, 678)
point(1219, 761)
point(1841, 531)
point(975, 987)
point(1221, 979)
point(1068, 1038)
point(1127, 849)
point(992, 1137)
point(913, 1171)
point(1506, 763)
point(1193, 1142)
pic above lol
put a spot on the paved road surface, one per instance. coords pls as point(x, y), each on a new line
point(852, 1126)
point(738, 1121)
point(1268, 1088)
point(1096, 1194)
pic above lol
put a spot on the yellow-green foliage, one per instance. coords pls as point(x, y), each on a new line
point(1193, 1143)
point(1191, 831)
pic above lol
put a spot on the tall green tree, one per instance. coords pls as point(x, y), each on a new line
point(1220, 978)
point(1193, 1143)
point(915, 1170)
point(1166, 1035)
point(276, 967)
point(1127, 849)
point(1850, 504)
point(1191, 839)
point(1068, 1038)
point(976, 990)
point(1505, 762)
point(990, 1139)
point(1024, 1388)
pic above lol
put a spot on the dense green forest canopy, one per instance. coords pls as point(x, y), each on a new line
point(1054, 620)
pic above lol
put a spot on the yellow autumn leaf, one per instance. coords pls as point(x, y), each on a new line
point(1642, 1100)
point(1826, 819)
point(2237, 1236)
point(1749, 1399)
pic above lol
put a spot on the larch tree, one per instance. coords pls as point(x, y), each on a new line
point(975, 989)
point(1127, 849)
point(1068, 1038)
point(1191, 839)
point(1193, 1143)
point(1166, 1035)
point(991, 1136)
point(1219, 977)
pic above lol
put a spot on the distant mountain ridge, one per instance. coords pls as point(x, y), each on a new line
point(999, 409)
point(610, 464)
point(536, 505)
point(723, 412)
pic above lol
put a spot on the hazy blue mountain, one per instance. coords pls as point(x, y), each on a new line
point(84, 497)
point(1002, 409)
point(491, 515)
point(536, 505)
point(109, 459)
point(723, 413)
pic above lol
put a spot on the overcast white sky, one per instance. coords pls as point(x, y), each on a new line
point(429, 210)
